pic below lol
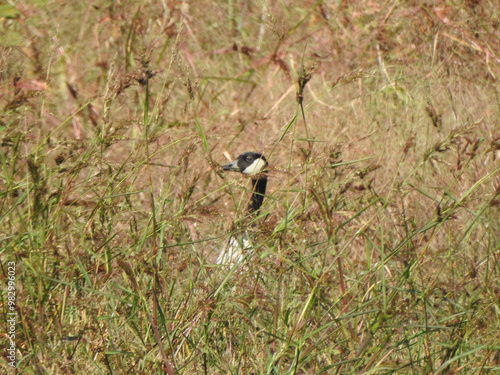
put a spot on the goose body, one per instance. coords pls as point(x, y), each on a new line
point(235, 251)
point(254, 165)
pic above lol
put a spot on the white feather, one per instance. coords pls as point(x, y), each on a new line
point(256, 167)
point(235, 252)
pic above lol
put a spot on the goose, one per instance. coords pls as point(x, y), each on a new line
point(254, 165)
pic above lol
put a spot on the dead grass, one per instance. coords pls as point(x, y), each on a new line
point(377, 247)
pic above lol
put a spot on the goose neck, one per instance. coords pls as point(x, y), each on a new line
point(259, 190)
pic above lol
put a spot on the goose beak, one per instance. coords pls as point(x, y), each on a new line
point(233, 166)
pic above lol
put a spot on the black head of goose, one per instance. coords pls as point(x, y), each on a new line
point(254, 165)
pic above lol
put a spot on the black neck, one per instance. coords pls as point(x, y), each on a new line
point(259, 189)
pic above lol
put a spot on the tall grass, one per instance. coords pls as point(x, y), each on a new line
point(377, 248)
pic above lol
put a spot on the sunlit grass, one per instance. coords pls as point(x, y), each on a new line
point(376, 249)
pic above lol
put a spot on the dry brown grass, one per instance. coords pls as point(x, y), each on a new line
point(377, 247)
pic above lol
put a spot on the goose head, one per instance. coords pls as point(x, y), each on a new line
point(249, 163)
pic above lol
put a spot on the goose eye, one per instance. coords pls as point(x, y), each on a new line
point(249, 158)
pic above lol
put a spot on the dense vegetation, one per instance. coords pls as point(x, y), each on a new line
point(378, 245)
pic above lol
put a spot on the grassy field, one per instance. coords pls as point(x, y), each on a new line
point(378, 244)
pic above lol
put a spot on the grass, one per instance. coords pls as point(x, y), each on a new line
point(377, 248)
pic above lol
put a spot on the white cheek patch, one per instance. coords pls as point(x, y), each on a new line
point(256, 167)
